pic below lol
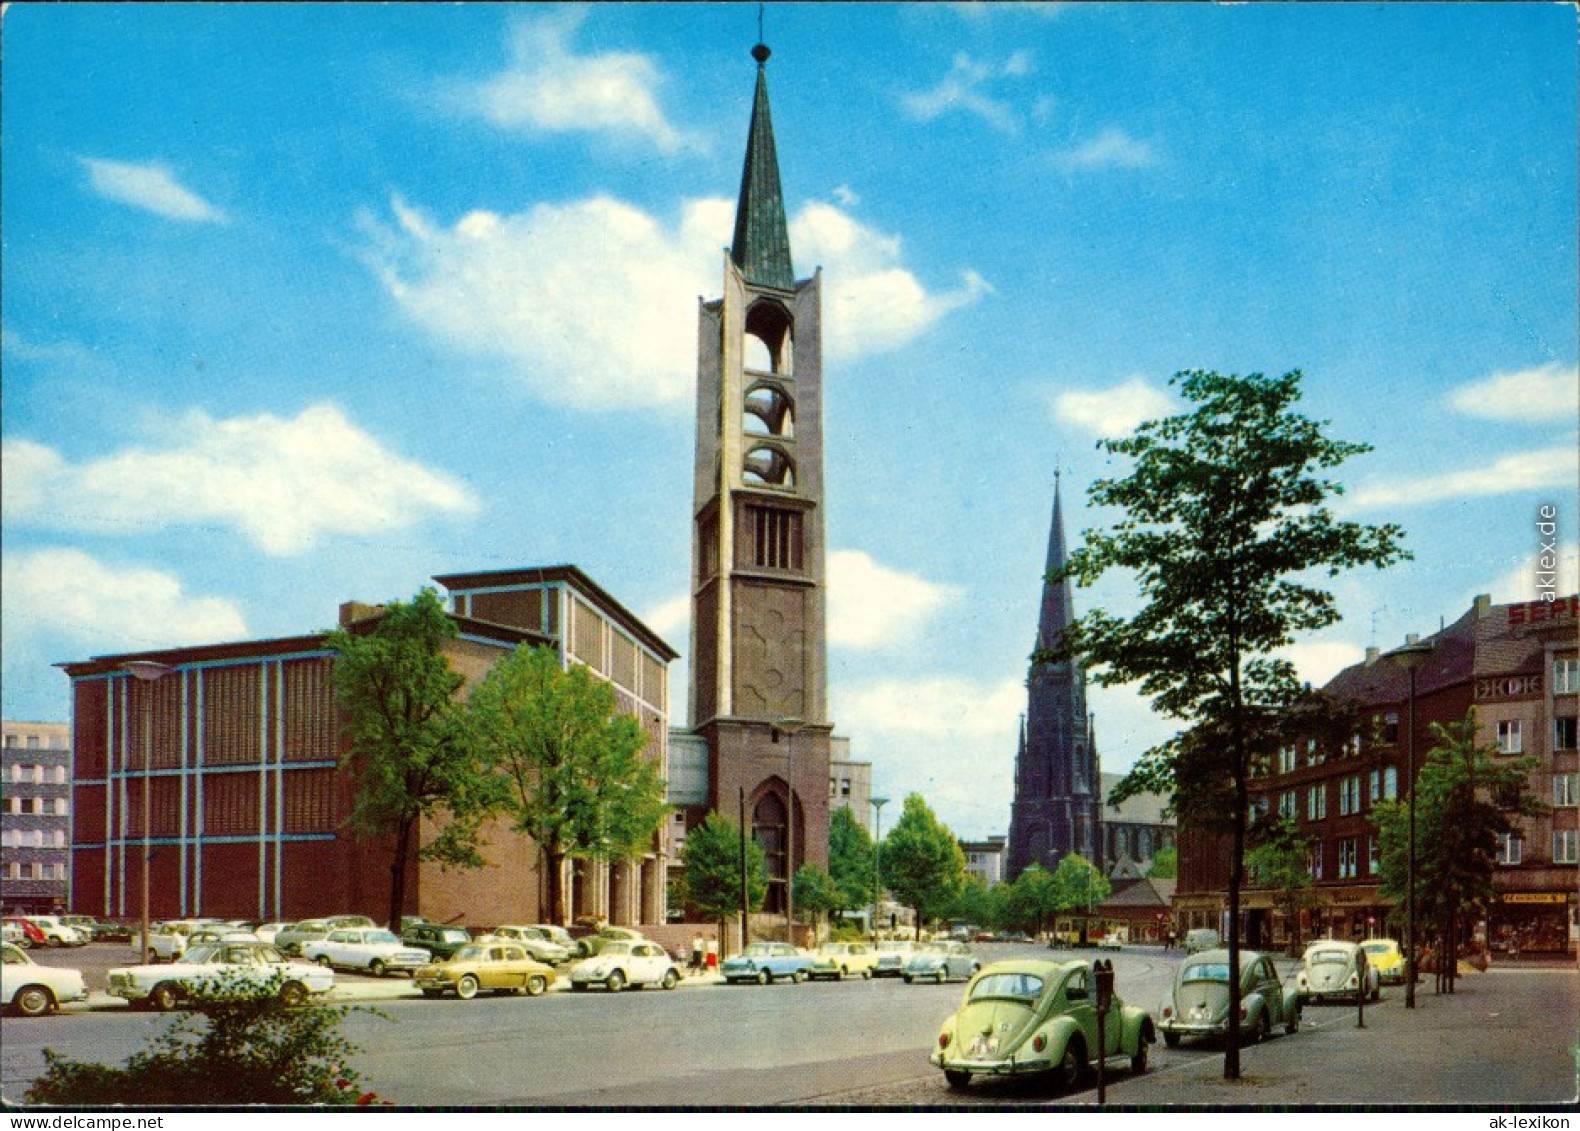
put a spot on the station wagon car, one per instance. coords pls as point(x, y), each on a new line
point(1029, 1016)
point(219, 964)
point(537, 942)
point(1198, 1005)
point(491, 967)
point(1332, 969)
point(839, 960)
point(28, 988)
point(941, 962)
point(766, 962)
point(626, 962)
point(373, 949)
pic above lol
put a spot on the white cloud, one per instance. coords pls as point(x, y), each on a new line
point(54, 594)
point(948, 708)
point(846, 196)
point(152, 187)
point(871, 606)
point(1317, 661)
point(962, 89)
point(282, 483)
point(594, 302)
point(1111, 149)
point(670, 618)
point(549, 88)
point(1547, 467)
point(1547, 394)
point(1115, 411)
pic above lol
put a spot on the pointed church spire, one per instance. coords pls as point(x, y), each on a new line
point(761, 248)
point(1058, 611)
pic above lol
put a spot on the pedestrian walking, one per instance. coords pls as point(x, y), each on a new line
point(698, 943)
point(712, 957)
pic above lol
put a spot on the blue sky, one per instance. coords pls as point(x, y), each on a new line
point(307, 303)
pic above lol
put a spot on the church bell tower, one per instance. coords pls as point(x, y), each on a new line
point(758, 657)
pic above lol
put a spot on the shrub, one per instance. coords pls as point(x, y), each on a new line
point(238, 1045)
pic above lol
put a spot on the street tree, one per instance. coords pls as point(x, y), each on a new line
point(850, 861)
point(1466, 796)
point(815, 893)
point(1223, 527)
point(1280, 861)
point(975, 904)
point(1078, 887)
point(407, 749)
point(923, 864)
point(1165, 864)
point(568, 765)
point(1032, 898)
point(713, 858)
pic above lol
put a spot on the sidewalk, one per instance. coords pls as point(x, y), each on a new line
point(1504, 1037)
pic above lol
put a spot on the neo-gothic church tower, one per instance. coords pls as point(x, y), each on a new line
point(758, 668)
point(1058, 791)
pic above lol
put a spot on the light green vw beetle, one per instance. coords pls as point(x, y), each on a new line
point(1034, 1015)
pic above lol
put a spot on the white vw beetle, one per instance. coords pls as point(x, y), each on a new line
point(216, 965)
point(1332, 969)
point(626, 962)
point(33, 990)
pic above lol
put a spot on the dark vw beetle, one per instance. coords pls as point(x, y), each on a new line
point(1198, 1005)
point(1035, 1015)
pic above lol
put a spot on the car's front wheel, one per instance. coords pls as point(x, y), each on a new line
point(1072, 1064)
point(33, 1001)
point(537, 985)
point(800, 976)
point(957, 1079)
point(323, 960)
point(1138, 1063)
point(377, 968)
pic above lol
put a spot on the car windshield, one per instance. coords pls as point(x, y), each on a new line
point(1329, 958)
point(1027, 987)
point(455, 934)
point(471, 953)
point(1377, 948)
point(757, 950)
point(1206, 972)
point(381, 937)
point(205, 952)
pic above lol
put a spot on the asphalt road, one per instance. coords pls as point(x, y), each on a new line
point(1508, 1036)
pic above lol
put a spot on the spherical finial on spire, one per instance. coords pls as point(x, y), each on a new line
point(761, 53)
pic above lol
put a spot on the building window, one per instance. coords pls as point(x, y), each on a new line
point(1349, 795)
point(1286, 804)
point(1509, 741)
point(775, 538)
point(1566, 850)
point(60, 775)
point(1347, 858)
point(1564, 790)
point(1317, 802)
point(1390, 727)
point(1373, 856)
point(1565, 732)
point(1286, 759)
point(1510, 848)
point(1314, 861)
point(32, 742)
point(1566, 676)
point(844, 787)
point(1314, 754)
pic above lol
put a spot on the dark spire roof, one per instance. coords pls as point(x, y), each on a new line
point(761, 248)
point(1058, 606)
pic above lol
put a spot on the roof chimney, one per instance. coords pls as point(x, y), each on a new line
point(1412, 638)
point(353, 611)
point(1483, 604)
point(1372, 654)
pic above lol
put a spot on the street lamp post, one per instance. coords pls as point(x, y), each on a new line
point(877, 856)
point(1411, 656)
point(146, 672)
point(789, 728)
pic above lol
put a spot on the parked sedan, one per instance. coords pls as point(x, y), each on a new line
point(838, 960)
point(893, 954)
point(438, 940)
point(33, 990)
point(289, 939)
point(1031, 1016)
point(1198, 1005)
point(941, 961)
point(207, 966)
point(168, 940)
point(537, 942)
point(373, 949)
point(1333, 969)
point(626, 962)
point(764, 962)
point(494, 966)
point(1384, 956)
point(58, 933)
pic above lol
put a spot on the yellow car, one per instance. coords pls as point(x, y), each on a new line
point(838, 960)
point(1384, 956)
point(495, 967)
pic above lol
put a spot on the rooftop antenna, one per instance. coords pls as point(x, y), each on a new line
point(759, 22)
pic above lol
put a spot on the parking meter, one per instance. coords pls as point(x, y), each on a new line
point(1103, 976)
point(1104, 971)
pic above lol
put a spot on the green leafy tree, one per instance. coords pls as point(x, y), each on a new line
point(1466, 796)
point(1165, 864)
point(975, 904)
point(850, 860)
point(1078, 888)
point(1032, 898)
point(407, 750)
point(1224, 524)
point(239, 1044)
point(712, 857)
point(922, 862)
point(1280, 861)
point(569, 768)
point(815, 892)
